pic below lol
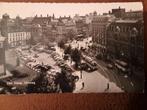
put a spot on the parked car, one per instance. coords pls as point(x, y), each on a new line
point(88, 67)
point(109, 66)
point(68, 68)
point(52, 48)
point(59, 60)
point(61, 64)
point(36, 56)
point(48, 51)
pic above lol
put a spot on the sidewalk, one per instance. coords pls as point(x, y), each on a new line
point(92, 81)
point(129, 84)
point(95, 83)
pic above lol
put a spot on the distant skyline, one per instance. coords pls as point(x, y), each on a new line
point(60, 9)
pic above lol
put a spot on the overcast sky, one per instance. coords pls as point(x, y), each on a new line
point(61, 9)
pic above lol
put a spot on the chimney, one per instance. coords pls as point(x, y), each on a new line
point(53, 16)
point(109, 12)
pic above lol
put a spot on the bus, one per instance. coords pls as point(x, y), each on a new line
point(121, 66)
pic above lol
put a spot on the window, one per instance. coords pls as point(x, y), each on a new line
point(118, 29)
point(125, 29)
point(10, 38)
point(1, 45)
point(141, 30)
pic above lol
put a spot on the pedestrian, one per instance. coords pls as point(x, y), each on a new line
point(107, 86)
point(82, 85)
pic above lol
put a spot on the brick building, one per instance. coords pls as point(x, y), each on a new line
point(118, 12)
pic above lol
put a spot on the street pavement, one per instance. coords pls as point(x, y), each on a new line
point(78, 44)
point(93, 81)
point(126, 83)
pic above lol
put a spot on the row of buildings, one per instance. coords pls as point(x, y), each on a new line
point(44, 28)
point(14, 31)
point(118, 37)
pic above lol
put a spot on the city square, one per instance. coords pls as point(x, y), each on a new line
point(91, 53)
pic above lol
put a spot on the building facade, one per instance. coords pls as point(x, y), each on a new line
point(14, 31)
point(133, 15)
point(82, 28)
point(18, 38)
point(118, 12)
point(41, 20)
point(125, 44)
point(100, 24)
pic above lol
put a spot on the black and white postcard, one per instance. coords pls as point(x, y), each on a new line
point(71, 48)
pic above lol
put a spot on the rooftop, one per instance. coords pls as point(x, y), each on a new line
point(126, 21)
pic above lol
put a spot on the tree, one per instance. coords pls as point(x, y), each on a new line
point(68, 50)
point(65, 82)
point(41, 82)
point(70, 34)
point(61, 44)
point(40, 85)
point(76, 57)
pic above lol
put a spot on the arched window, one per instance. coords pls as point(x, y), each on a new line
point(141, 30)
point(134, 33)
point(117, 29)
